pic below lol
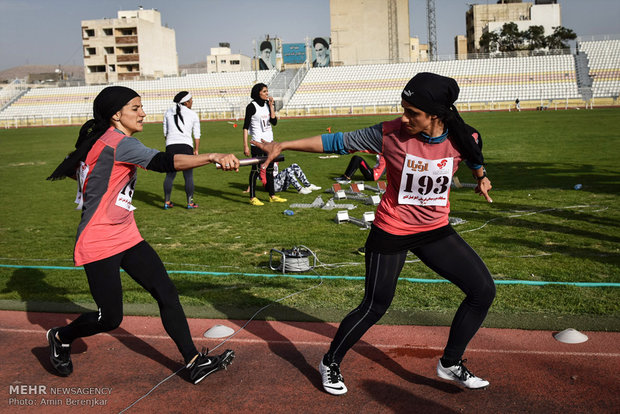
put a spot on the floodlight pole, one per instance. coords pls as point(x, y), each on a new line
point(432, 30)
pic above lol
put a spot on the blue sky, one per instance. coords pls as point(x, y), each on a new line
point(48, 31)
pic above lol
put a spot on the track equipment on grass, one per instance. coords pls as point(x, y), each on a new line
point(296, 259)
point(343, 217)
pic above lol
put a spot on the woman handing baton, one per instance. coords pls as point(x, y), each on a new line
point(422, 149)
point(105, 163)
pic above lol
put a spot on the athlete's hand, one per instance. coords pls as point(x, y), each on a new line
point(272, 149)
point(483, 188)
point(227, 162)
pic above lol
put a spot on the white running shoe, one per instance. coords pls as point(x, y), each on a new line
point(342, 180)
point(333, 382)
point(313, 187)
point(304, 190)
point(460, 373)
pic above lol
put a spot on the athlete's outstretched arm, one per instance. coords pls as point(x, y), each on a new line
point(185, 162)
point(273, 149)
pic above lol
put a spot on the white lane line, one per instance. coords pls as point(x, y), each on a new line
point(327, 342)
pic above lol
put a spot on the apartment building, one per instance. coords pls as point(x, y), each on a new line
point(132, 46)
point(222, 59)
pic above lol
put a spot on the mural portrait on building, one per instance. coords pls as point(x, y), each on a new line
point(320, 52)
point(267, 55)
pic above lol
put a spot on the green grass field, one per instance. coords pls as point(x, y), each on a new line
point(539, 228)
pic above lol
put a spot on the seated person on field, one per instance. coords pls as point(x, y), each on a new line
point(287, 177)
point(370, 174)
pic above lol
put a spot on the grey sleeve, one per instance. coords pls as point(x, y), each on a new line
point(132, 151)
point(367, 139)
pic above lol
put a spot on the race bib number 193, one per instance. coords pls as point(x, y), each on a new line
point(425, 182)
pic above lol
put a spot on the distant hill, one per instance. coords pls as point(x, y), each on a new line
point(74, 72)
point(20, 72)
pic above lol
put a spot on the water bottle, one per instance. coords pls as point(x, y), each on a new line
point(289, 212)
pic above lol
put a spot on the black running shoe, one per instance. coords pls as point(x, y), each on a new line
point(204, 365)
point(60, 354)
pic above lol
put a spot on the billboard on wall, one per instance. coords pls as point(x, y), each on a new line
point(321, 53)
point(293, 53)
point(267, 55)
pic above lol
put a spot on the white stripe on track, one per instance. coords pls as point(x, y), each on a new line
point(328, 341)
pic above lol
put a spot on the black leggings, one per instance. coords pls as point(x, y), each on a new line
point(145, 267)
point(257, 152)
point(358, 162)
point(452, 258)
point(188, 175)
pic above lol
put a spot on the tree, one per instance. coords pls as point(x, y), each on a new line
point(560, 36)
point(536, 39)
point(489, 41)
point(511, 38)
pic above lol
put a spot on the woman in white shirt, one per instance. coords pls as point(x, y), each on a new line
point(180, 122)
point(260, 115)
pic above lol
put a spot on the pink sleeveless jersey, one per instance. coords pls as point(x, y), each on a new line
point(419, 175)
point(108, 177)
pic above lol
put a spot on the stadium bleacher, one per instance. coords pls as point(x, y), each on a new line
point(488, 84)
point(604, 63)
point(481, 80)
point(223, 94)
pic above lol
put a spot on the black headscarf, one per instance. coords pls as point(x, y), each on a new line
point(255, 94)
point(435, 95)
point(177, 99)
point(109, 101)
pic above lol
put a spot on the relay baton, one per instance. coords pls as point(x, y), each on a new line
point(254, 160)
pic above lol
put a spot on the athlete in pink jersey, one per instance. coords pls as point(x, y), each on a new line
point(105, 164)
point(422, 150)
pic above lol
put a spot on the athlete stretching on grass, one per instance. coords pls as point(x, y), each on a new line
point(105, 164)
point(422, 149)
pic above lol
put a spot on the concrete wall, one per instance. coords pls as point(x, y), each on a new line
point(360, 31)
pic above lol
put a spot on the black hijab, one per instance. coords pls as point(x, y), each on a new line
point(435, 95)
point(255, 94)
point(109, 101)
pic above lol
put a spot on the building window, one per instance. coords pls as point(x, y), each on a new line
point(89, 32)
point(111, 68)
point(213, 62)
point(95, 69)
point(131, 31)
point(235, 62)
point(107, 32)
point(130, 50)
point(109, 50)
point(90, 51)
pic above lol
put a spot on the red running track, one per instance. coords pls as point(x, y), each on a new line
point(391, 371)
